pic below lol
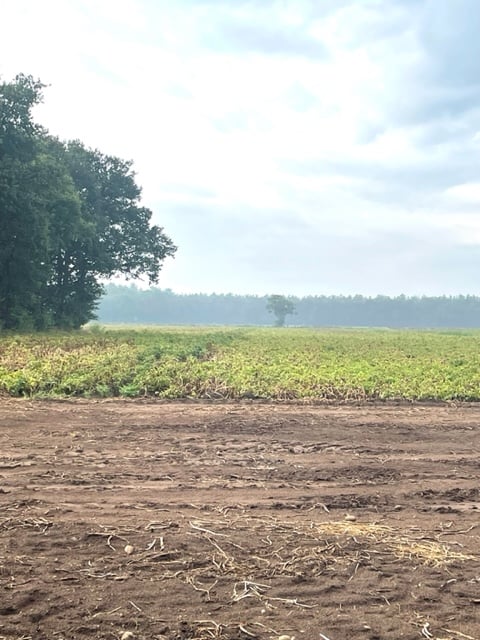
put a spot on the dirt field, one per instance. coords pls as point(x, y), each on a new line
point(238, 521)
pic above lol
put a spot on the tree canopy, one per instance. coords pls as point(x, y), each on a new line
point(281, 307)
point(129, 304)
point(70, 217)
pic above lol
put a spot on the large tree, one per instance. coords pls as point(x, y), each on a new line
point(23, 218)
point(281, 307)
point(111, 235)
point(70, 216)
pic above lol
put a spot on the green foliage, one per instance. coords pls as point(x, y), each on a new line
point(128, 304)
point(281, 307)
point(23, 218)
point(69, 215)
point(327, 365)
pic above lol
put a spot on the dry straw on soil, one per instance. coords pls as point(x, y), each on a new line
point(235, 556)
point(408, 545)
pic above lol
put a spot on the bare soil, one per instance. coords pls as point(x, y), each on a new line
point(236, 521)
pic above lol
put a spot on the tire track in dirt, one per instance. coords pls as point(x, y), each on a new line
point(245, 520)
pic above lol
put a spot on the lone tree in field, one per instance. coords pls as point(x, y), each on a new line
point(281, 307)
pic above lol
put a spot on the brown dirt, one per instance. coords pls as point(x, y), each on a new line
point(237, 518)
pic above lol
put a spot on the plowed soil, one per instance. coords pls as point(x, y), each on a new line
point(238, 521)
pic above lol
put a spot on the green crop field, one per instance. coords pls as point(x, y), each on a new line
point(279, 364)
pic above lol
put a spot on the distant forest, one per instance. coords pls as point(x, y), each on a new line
point(128, 304)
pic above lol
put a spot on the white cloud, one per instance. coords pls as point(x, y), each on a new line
point(338, 136)
point(469, 192)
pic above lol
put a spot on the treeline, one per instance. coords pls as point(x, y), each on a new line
point(128, 304)
point(69, 217)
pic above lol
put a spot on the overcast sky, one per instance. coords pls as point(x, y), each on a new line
point(286, 146)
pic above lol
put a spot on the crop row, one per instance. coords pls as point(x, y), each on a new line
point(297, 364)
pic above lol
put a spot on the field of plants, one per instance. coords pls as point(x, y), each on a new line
point(277, 364)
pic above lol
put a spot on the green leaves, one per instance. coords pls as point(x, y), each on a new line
point(303, 364)
point(69, 217)
point(281, 307)
point(18, 132)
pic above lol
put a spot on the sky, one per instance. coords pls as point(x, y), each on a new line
point(300, 147)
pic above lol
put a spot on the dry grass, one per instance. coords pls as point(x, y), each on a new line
point(234, 556)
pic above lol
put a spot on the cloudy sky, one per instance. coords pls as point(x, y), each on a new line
point(286, 146)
